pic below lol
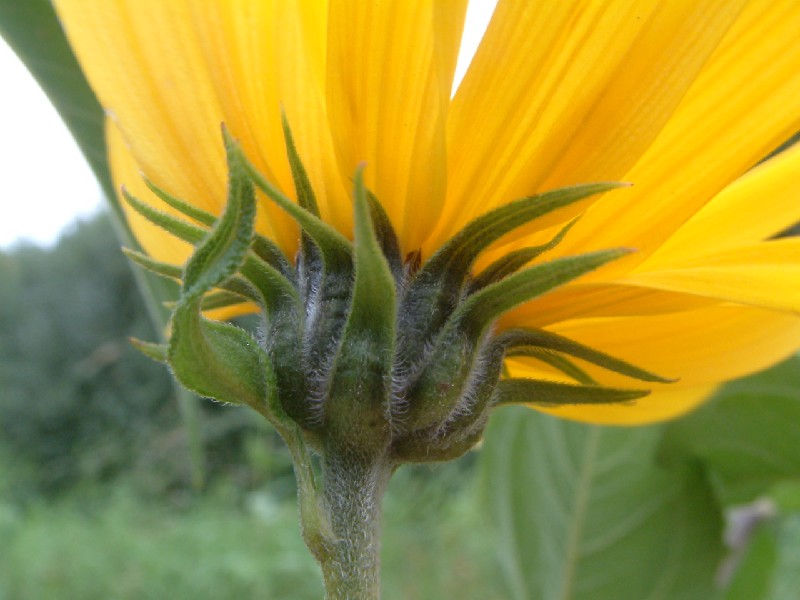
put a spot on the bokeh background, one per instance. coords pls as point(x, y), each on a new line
point(114, 485)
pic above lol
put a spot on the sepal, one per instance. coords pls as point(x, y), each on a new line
point(386, 236)
point(273, 288)
point(222, 252)
point(305, 192)
point(156, 352)
point(360, 352)
point(459, 252)
point(551, 393)
point(264, 248)
point(518, 341)
point(361, 385)
point(437, 288)
point(178, 227)
point(194, 213)
point(515, 260)
point(336, 249)
point(215, 359)
point(218, 360)
point(163, 269)
point(555, 360)
point(234, 285)
point(486, 305)
point(221, 299)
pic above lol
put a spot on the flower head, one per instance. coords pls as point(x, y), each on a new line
point(681, 99)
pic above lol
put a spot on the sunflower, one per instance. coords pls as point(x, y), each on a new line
point(681, 99)
point(450, 251)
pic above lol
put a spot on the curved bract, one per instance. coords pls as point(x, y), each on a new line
point(467, 192)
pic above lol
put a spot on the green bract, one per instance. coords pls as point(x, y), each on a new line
point(367, 353)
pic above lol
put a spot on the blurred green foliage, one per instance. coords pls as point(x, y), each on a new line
point(75, 397)
point(77, 402)
point(596, 513)
point(95, 494)
point(108, 543)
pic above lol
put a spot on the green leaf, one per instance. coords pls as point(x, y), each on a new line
point(551, 393)
point(33, 31)
point(517, 339)
point(514, 261)
point(748, 435)
point(755, 568)
point(486, 305)
point(585, 513)
point(786, 580)
point(786, 495)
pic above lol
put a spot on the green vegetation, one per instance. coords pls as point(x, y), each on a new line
point(109, 544)
point(95, 499)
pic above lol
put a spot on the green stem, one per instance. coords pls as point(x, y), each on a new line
point(354, 488)
point(190, 414)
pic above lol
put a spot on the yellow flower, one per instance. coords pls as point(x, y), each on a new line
point(680, 98)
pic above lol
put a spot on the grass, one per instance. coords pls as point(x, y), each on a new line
point(116, 546)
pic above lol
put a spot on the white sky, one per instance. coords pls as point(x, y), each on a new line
point(44, 182)
point(45, 185)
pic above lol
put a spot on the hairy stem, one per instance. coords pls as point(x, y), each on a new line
point(354, 488)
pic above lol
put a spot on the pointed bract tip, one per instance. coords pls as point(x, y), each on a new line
point(227, 136)
point(157, 352)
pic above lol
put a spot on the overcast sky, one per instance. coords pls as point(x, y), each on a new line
point(45, 185)
point(44, 181)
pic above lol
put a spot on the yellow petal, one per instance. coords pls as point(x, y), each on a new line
point(170, 72)
point(264, 57)
point(757, 206)
point(125, 171)
point(449, 18)
point(144, 60)
point(660, 406)
point(766, 274)
point(570, 92)
point(582, 301)
point(701, 346)
point(745, 102)
point(388, 91)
